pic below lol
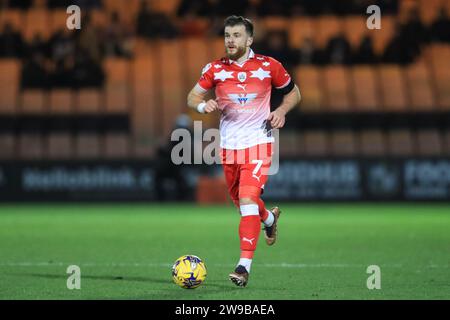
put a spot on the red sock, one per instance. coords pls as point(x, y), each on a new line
point(262, 210)
point(249, 229)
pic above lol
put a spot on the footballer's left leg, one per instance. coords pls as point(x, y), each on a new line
point(249, 229)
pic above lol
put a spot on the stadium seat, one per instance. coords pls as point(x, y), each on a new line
point(326, 27)
point(117, 87)
point(88, 145)
point(428, 10)
point(37, 22)
point(9, 84)
point(429, 142)
point(355, 28)
point(218, 48)
point(419, 87)
point(299, 30)
point(400, 142)
point(33, 101)
point(61, 101)
point(275, 23)
point(99, 18)
point(58, 20)
point(31, 146)
point(365, 89)
point(60, 146)
point(12, 16)
point(173, 100)
point(316, 143)
point(88, 101)
point(372, 143)
point(393, 88)
point(343, 143)
point(196, 52)
point(309, 79)
point(144, 116)
point(337, 88)
point(117, 145)
point(7, 146)
point(439, 58)
point(168, 7)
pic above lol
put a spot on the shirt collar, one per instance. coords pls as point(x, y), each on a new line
point(251, 55)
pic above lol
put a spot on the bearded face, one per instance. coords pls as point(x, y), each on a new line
point(236, 41)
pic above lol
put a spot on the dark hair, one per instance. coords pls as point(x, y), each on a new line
point(232, 21)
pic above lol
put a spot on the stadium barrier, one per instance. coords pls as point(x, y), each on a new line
point(319, 179)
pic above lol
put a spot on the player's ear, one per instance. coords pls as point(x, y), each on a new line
point(249, 41)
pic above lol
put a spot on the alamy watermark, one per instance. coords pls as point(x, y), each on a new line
point(74, 279)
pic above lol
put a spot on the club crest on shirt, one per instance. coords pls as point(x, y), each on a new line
point(242, 76)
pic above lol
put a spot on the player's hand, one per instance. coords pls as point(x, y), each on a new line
point(277, 119)
point(211, 105)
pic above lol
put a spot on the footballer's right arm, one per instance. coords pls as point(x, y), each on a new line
point(196, 100)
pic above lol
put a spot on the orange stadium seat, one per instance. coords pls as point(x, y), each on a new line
point(355, 28)
point(144, 116)
point(218, 48)
point(326, 27)
point(116, 145)
point(196, 52)
point(400, 142)
point(316, 143)
point(429, 9)
point(439, 58)
point(30, 146)
point(60, 146)
point(99, 18)
point(9, 84)
point(419, 85)
point(7, 146)
point(88, 145)
point(88, 100)
point(429, 142)
point(127, 10)
point(61, 101)
point(275, 23)
point(168, 7)
point(37, 22)
point(382, 36)
point(365, 88)
point(393, 88)
point(117, 87)
point(337, 88)
point(173, 100)
point(14, 17)
point(372, 143)
point(309, 80)
point(33, 101)
point(299, 30)
point(343, 143)
point(58, 20)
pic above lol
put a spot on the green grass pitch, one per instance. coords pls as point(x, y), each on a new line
point(125, 251)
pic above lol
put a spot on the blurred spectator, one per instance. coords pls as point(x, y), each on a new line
point(21, 4)
point(87, 73)
point(338, 50)
point(61, 45)
point(199, 8)
point(34, 74)
point(52, 4)
point(63, 72)
point(224, 8)
point(414, 31)
point(276, 45)
point(37, 45)
point(397, 50)
point(89, 40)
point(440, 28)
point(88, 4)
point(309, 53)
point(116, 38)
point(167, 174)
point(274, 8)
point(11, 43)
point(365, 53)
point(191, 26)
point(153, 25)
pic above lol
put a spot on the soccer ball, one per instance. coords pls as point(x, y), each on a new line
point(189, 271)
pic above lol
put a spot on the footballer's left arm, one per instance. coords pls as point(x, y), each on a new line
point(277, 118)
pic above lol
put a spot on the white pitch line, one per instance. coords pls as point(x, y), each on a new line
point(154, 264)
